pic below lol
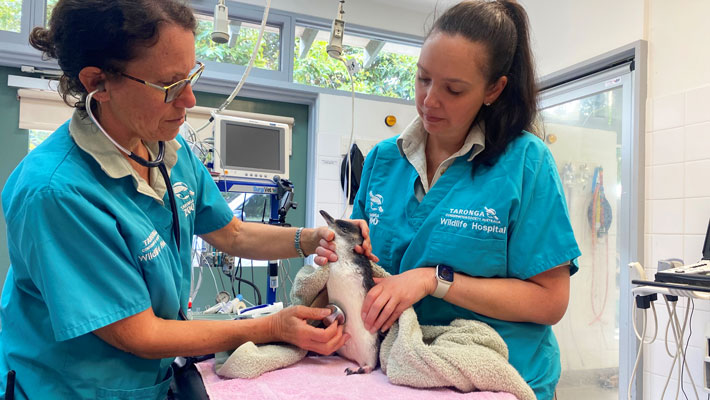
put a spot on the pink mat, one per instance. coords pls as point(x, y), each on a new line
point(324, 378)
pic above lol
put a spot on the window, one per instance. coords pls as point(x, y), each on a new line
point(50, 7)
point(388, 60)
point(36, 137)
point(240, 47)
point(10, 15)
point(388, 68)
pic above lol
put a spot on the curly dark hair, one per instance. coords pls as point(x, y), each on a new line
point(502, 27)
point(105, 34)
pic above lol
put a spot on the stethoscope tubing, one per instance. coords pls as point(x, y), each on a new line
point(158, 162)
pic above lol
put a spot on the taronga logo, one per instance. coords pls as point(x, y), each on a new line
point(490, 213)
point(376, 202)
point(183, 192)
point(376, 209)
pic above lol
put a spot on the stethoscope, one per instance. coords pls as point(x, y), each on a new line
point(158, 162)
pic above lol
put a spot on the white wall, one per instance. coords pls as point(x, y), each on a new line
point(677, 160)
point(565, 32)
point(333, 134)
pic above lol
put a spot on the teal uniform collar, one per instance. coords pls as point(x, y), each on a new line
point(87, 136)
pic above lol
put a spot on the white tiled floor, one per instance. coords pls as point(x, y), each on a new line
point(588, 385)
point(587, 393)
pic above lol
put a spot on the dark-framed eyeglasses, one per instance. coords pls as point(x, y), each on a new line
point(174, 90)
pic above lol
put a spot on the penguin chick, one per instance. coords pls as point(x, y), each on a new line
point(349, 281)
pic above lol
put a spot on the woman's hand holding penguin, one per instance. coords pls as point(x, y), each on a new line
point(390, 296)
point(325, 252)
point(290, 325)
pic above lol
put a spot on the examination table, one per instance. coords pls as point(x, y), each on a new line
point(315, 377)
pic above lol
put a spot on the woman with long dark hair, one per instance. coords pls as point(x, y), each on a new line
point(465, 207)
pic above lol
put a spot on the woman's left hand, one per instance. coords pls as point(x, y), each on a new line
point(390, 296)
point(325, 252)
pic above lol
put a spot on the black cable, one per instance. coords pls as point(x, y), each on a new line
point(219, 270)
point(241, 216)
point(263, 212)
point(231, 279)
point(241, 269)
point(173, 208)
point(244, 203)
point(263, 217)
point(252, 279)
point(256, 289)
point(10, 386)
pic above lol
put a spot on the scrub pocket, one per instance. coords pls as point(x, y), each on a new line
point(155, 392)
point(470, 255)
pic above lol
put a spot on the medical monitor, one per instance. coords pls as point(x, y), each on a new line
point(252, 149)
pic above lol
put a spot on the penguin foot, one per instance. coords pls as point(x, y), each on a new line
point(362, 370)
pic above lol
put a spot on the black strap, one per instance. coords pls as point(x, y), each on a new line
point(10, 388)
point(171, 195)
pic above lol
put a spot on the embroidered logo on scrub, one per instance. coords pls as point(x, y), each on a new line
point(152, 246)
point(183, 192)
point(484, 220)
point(376, 209)
point(490, 213)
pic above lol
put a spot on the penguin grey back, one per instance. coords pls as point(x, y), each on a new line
point(348, 236)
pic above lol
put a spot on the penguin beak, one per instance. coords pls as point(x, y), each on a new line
point(328, 219)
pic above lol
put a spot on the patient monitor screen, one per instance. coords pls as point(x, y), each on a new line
point(252, 147)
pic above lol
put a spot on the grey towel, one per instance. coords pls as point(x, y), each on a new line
point(467, 355)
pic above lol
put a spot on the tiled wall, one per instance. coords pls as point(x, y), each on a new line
point(333, 134)
point(677, 214)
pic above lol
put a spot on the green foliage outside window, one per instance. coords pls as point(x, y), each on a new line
point(10, 15)
point(50, 7)
point(391, 75)
point(266, 58)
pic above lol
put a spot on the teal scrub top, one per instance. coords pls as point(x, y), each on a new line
point(508, 220)
point(87, 250)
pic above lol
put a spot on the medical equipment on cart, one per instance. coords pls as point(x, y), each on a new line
point(251, 149)
point(690, 281)
point(280, 201)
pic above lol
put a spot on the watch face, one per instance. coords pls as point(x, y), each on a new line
point(445, 273)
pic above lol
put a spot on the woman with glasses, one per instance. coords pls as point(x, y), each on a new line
point(99, 247)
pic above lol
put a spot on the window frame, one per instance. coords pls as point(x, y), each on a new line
point(253, 14)
point(27, 11)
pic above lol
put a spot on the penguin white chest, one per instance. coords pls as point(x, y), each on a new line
point(346, 290)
